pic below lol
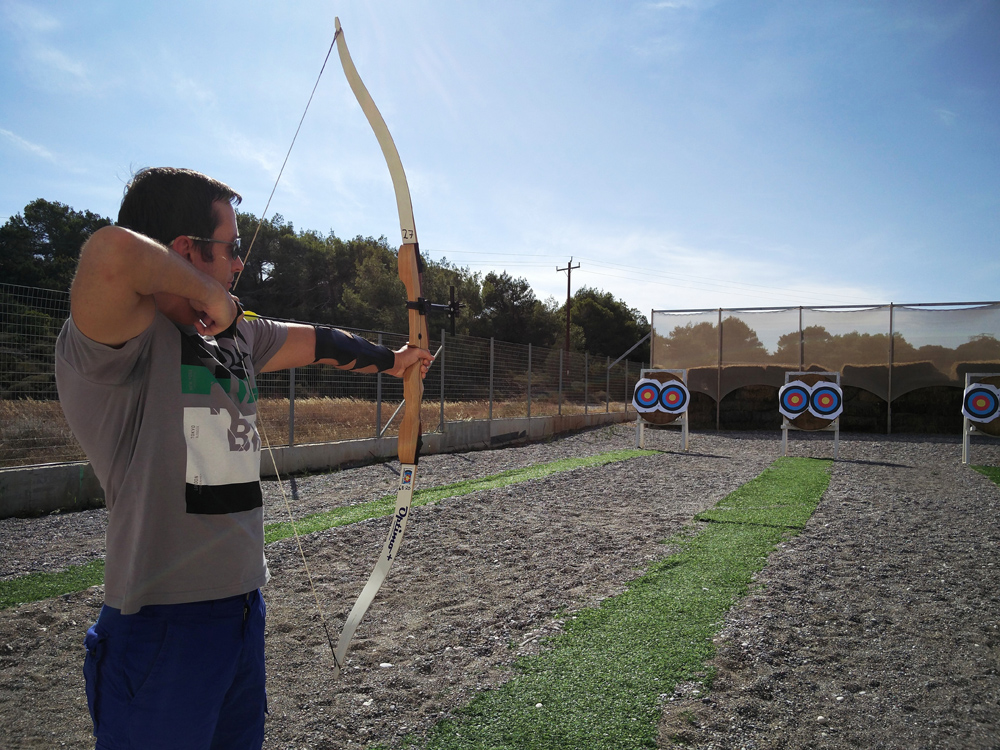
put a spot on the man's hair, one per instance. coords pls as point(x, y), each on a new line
point(165, 203)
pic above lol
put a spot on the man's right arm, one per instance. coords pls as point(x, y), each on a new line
point(111, 299)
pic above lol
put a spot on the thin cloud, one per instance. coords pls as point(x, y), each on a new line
point(30, 18)
point(32, 148)
point(946, 116)
point(62, 65)
point(190, 90)
point(680, 4)
point(41, 57)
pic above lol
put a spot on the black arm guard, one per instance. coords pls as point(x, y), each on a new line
point(346, 348)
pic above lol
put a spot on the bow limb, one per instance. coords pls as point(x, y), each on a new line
point(410, 269)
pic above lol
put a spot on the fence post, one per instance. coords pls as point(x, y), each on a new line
point(607, 386)
point(378, 399)
point(491, 379)
point(802, 343)
point(441, 375)
point(529, 381)
point(560, 379)
point(586, 382)
point(718, 381)
point(291, 407)
point(892, 355)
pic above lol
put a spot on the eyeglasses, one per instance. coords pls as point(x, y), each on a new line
point(234, 246)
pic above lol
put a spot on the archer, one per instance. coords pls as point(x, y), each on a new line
point(156, 375)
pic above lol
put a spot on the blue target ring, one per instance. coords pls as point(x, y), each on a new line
point(794, 400)
point(647, 395)
point(825, 401)
point(981, 403)
point(673, 398)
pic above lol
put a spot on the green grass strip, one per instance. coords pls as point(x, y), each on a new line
point(36, 586)
point(598, 684)
point(384, 506)
point(991, 472)
point(784, 495)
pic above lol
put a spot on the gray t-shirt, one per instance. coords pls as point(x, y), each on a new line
point(168, 422)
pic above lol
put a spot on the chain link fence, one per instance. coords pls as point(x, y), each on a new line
point(472, 378)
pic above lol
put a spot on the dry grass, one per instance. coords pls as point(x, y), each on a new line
point(35, 432)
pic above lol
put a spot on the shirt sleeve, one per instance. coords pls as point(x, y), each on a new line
point(96, 362)
point(266, 336)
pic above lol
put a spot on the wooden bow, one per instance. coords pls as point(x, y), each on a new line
point(410, 270)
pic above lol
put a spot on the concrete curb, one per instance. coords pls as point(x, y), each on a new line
point(63, 487)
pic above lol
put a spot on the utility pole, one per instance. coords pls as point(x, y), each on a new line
point(569, 300)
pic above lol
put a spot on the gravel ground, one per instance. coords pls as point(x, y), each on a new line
point(876, 627)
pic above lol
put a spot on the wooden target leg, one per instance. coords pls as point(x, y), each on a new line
point(966, 441)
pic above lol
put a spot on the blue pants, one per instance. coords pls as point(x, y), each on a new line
point(178, 676)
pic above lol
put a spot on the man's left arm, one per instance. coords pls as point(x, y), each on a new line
point(307, 345)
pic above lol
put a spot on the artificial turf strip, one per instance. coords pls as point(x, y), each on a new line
point(598, 685)
point(384, 506)
point(992, 472)
point(784, 495)
point(36, 586)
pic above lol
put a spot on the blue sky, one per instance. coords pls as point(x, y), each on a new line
point(686, 154)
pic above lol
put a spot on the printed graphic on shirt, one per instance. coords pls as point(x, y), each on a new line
point(223, 445)
point(223, 461)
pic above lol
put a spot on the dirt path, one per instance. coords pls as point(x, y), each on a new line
point(481, 577)
point(877, 627)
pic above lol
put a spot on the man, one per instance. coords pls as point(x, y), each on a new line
point(156, 374)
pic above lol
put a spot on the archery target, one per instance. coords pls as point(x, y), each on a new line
point(646, 396)
point(981, 402)
point(793, 399)
point(674, 397)
point(826, 401)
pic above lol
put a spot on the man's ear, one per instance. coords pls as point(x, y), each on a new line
point(185, 247)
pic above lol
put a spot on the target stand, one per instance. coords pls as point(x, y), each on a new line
point(807, 402)
point(661, 398)
point(981, 400)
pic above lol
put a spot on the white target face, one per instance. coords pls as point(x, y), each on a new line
point(646, 397)
point(981, 402)
point(824, 400)
point(651, 395)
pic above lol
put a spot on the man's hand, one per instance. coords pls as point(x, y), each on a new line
point(217, 313)
point(407, 356)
